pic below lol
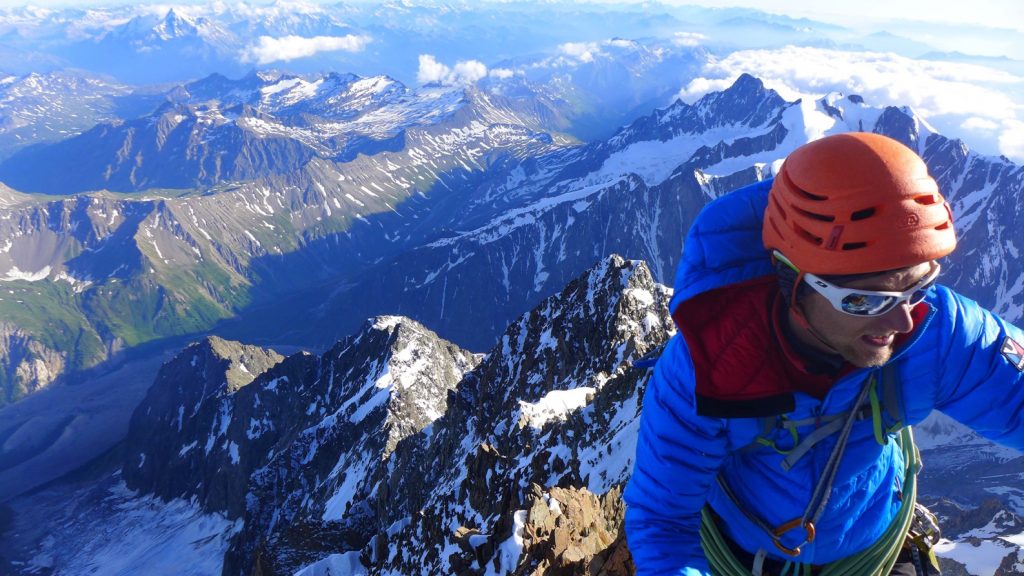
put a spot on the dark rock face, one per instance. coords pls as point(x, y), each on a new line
point(179, 443)
point(393, 437)
point(297, 451)
point(26, 365)
point(552, 405)
point(573, 531)
point(987, 264)
point(314, 493)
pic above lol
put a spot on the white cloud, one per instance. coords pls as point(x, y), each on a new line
point(701, 86)
point(619, 43)
point(1011, 140)
point(688, 38)
point(464, 72)
point(501, 73)
point(582, 51)
point(469, 71)
point(268, 49)
point(979, 124)
point(975, 95)
point(431, 70)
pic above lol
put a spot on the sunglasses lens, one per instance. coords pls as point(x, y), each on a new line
point(867, 304)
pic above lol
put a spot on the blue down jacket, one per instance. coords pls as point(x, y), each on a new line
point(958, 360)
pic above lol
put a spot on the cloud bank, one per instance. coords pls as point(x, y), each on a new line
point(268, 49)
point(971, 97)
point(688, 39)
point(464, 72)
point(582, 51)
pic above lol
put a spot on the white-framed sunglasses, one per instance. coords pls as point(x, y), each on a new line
point(859, 302)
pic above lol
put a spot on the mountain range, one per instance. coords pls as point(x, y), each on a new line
point(397, 452)
point(447, 189)
point(467, 401)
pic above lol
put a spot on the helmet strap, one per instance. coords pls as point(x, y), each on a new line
point(797, 314)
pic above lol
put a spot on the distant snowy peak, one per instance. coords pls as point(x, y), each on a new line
point(334, 96)
point(744, 127)
point(745, 105)
point(175, 26)
point(36, 108)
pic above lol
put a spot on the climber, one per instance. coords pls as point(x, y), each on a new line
point(774, 437)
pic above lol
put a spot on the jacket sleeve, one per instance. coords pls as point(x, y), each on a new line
point(677, 458)
point(981, 382)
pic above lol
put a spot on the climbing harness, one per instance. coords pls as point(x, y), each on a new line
point(878, 559)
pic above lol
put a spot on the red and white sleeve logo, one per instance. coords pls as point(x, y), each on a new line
point(1014, 352)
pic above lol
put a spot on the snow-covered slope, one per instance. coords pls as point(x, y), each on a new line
point(141, 534)
point(301, 217)
point(37, 108)
point(218, 130)
point(532, 226)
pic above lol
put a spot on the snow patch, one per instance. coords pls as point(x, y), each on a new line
point(334, 509)
point(346, 564)
point(137, 534)
point(510, 550)
point(15, 274)
point(982, 559)
point(556, 404)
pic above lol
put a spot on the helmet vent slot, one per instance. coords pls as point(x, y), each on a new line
point(815, 216)
point(863, 214)
point(944, 226)
point(807, 235)
point(778, 206)
point(810, 196)
point(927, 199)
point(854, 245)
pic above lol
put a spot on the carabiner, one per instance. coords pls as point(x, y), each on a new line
point(777, 534)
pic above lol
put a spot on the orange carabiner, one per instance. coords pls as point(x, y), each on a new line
point(791, 525)
point(794, 552)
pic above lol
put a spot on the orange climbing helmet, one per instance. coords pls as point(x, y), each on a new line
point(856, 203)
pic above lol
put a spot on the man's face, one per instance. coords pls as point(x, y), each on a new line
point(864, 341)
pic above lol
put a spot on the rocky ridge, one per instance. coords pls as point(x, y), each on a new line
point(394, 438)
point(396, 452)
point(280, 443)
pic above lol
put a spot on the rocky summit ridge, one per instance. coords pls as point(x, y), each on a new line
point(397, 452)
